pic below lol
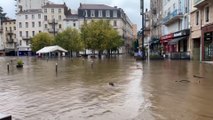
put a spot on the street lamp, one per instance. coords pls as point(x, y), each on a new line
point(142, 27)
point(85, 52)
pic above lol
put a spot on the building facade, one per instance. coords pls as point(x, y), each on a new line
point(176, 29)
point(202, 30)
point(118, 19)
point(1, 40)
point(156, 8)
point(9, 37)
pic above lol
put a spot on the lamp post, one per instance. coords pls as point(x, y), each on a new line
point(142, 27)
point(85, 52)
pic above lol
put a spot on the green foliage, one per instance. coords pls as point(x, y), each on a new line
point(20, 62)
point(100, 35)
point(2, 15)
point(41, 40)
point(69, 40)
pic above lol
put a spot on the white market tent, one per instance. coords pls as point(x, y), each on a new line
point(50, 49)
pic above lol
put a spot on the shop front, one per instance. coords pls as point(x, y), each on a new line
point(164, 40)
point(177, 44)
point(207, 43)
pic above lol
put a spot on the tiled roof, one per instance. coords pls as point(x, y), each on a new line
point(49, 5)
point(30, 11)
point(97, 6)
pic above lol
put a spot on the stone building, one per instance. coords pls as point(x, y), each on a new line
point(202, 30)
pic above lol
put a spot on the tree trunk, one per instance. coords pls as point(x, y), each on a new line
point(71, 53)
point(99, 54)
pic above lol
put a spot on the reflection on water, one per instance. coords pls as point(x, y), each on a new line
point(143, 91)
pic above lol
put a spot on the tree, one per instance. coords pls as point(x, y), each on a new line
point(2, 15)
point(70, 40)
point(100, 36)
point(41, 40)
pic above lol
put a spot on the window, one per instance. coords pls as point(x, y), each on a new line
point(14, 28)
point(45, 18)
point(27, 42)
point(27, 35)
point(115, 23)
point(20, 33)
point(33, 17)
point(207, 14)
point(107, 13)
point(20, 42)
point(45, 25)
point(39, 24)
point(39, 31)
point(20, 25)
point(59, 10)
point(26, 24)
point(26, 17)
point(39, 16)
point(59, 17)
point(115, 13)
point(45, 10)
point(74, 24)
point(92, 13)
point(33, 33)
point(100, 14)
point(85, 13)
point(33, 24)
point(52, 10)
point(60, 26)
point(197, 18)
point(174, 7)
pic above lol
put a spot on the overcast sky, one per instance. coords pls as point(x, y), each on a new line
point(131, 7)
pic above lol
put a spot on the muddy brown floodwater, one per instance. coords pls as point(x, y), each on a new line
point(155, 90)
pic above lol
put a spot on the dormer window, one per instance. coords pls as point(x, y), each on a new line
point(92, 13)
point(115, 13)
point(100, 14)
point(107, 13)
point(85, 14)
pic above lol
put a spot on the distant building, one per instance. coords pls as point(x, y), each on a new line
point(9, 37)
point(176, 28)
point(134, 30)
point(202, 30)
point(156, 8)
point(1, 40)
point(118, 19)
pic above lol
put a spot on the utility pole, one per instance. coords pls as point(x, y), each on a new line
point(85, 52)
point(142, 27)
point(54, 27)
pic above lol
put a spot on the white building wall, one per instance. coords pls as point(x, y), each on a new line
point(22, 29)
point(30, 4)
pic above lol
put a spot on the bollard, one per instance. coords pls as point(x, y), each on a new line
point(56, 67)
point(8, 67)
point(92, 64)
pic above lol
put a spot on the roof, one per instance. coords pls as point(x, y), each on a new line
point(97, 6)
point(50, 5)
point(31, 11)
point(49, 49)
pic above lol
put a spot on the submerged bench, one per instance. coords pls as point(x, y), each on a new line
point(5, 117)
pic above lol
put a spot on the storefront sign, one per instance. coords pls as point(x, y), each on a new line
point(208, 36)
point(182, 33)
point(169, 36)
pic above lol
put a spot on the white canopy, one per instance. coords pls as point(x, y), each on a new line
point(50, 49)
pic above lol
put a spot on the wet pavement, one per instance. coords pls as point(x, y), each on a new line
point(156, 90)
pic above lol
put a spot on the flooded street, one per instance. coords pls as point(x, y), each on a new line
point(156, 90)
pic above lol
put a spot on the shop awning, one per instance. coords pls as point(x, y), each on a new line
point(50, 49)
point(176, 40)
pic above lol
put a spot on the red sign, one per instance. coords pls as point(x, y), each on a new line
point(166, 38)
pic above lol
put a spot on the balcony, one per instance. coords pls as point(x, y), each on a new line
point(10, 40)
point(10, 32)
point(26, 38)
point(53, 21)
point(53, 31)
point(172, 17)
point(200, 3)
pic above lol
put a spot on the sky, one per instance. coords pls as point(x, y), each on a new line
point(131, 7)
